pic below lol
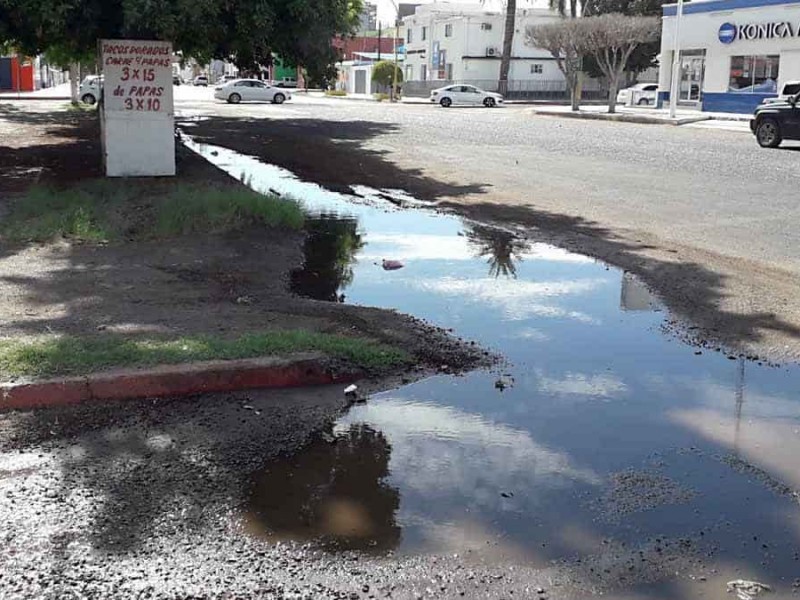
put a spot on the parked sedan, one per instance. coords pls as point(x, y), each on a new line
point(465, 94)
point(644, 94)
point(773, 123)
point(250, 90)
point(91, 89)
point(201, 80)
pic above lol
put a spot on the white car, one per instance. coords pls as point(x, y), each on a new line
point(465, 94)
point(200, 80)
point(789, 90)
point(251, 90)
point(91, 88)
point(644, 94)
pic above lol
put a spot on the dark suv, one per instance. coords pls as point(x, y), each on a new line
point(773, 123)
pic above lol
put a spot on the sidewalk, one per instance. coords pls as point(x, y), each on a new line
point(632, 114)
point(58, 92)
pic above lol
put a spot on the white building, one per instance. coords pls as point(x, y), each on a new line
point(462, 42)
point(733, 53)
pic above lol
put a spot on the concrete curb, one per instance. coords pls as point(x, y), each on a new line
point(621, 117)
point(174, 381)
point(2, 97)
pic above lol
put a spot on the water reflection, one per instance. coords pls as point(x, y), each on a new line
point(501, 249)
point(330, 253)
point(334, 492)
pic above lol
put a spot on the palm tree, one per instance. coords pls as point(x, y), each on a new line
point(561, 7)
point(501, 248)
point(508, 44)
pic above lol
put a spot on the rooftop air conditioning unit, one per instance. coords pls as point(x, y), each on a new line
point(492, 51)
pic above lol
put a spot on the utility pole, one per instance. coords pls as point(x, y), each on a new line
point(379, 41)
point(676, 63)
point(396, 37)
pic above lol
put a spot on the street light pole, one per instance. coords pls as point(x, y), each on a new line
point(396, 28)
point(676, 63)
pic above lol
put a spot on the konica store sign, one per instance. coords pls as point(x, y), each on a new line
point(732, 32)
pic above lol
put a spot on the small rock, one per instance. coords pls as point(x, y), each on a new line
point(245, 300)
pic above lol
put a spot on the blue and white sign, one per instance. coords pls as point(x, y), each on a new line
point(727, 33)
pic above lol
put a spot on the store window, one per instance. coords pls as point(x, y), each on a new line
point(449, 72)
point(424, 33)
point(448, 30)
point(537, 68)
point(754, 74)
point(423, 72)
point(409, 37)
point(486, 26)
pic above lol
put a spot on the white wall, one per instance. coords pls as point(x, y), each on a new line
point(700, 31)
point(467, 47)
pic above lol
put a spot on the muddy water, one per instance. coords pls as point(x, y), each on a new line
point(600, 431)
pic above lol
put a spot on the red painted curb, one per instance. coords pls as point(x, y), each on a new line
point(173, 381)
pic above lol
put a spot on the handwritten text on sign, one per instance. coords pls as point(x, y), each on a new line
point(138, 76)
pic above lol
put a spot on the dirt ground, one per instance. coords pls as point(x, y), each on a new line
point(226, 285)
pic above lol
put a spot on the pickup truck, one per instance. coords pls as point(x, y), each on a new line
point(773, 123)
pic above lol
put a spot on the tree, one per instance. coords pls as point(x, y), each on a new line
point(611, 39)
point(645, 55)
point(384, 73)
point(565, 41)
point(561, 7)
point(247, 32)
point(508, 44)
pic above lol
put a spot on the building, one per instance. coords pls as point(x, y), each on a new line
point(349, 46)
point(17, 74)
point(355, 76)
point(369, 17)
point(462, 42)
point(733, 53)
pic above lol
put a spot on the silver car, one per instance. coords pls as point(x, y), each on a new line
point(251, 90)
point(465, 94)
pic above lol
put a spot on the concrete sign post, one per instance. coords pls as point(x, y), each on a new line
point(137, 112)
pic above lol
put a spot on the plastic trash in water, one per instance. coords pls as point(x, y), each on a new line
point(350, 390)
point(391, 265)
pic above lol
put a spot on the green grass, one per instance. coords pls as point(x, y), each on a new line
point(53, 356)
point(192, 210)
point(335, 93)
point(103, 210)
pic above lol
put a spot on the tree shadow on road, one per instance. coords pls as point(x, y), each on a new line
point(331, 154)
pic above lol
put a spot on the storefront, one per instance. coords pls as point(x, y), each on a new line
point(733, 53)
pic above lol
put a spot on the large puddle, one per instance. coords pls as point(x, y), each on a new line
point(602, 428)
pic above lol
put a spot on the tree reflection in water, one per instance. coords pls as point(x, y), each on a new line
point(333, 492)
point(502, 249)
point(330, 251)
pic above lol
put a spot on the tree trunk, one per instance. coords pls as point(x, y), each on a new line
point(508, 44)
point(574, 92)
point(613, 85)
point(74, 81)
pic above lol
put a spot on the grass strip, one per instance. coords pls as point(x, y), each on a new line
point(69, 355)
point(109, 210)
